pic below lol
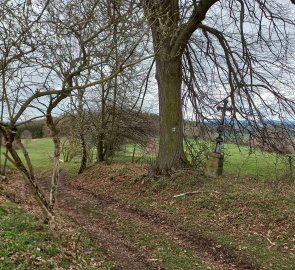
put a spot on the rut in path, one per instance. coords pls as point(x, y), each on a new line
point(80, 208)
point(86, 209)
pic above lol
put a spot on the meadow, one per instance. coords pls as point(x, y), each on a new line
point(238, 160)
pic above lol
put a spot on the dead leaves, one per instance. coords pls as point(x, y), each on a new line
point(28, 256)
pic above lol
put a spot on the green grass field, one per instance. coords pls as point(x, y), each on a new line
point(238, 161)
point(40, 150)
point(261, 165)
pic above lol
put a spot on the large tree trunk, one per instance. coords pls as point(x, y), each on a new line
point(169, 76)
point(171, 33)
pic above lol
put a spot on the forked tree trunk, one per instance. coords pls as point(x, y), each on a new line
point(169, 77)
point(28, 173)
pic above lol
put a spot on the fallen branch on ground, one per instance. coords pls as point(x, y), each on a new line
point(194, 192)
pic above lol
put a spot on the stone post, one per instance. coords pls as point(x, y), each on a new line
point(214, 166)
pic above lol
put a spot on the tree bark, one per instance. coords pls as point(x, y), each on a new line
point(55, 172)
point(169, 77)
point(171, 35)
point(27, 173)
point(56, 165)
point(83, 163)
point(100, 148)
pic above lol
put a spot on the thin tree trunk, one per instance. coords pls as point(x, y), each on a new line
point(1, 151)
point(133, 153)
point(5, 164)
point(2, 169)
point(55, 172)
point(83, 163)
point(100, 148)
point(100, 155)
point(28, 174)
point(56, 165)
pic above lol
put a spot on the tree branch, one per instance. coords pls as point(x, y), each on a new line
point(186, 30)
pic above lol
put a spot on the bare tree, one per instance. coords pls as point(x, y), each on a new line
point(172, 24)
point(246, 59)
point(239, 50)
point(49, 52)
point(19, 41)
point(18, 19)
point(127, 38)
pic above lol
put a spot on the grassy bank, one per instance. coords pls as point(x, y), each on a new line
point(25, 243)
point(252, 217)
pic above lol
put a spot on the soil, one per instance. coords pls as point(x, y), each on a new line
point(89, 210)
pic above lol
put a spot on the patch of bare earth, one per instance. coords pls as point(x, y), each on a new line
point(100, 198)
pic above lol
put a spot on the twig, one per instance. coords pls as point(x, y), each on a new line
point(194, 192)
point(76, 247)
point(271, 243)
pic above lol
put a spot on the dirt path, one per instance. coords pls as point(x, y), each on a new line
point(99, 216)
point(85, 210)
